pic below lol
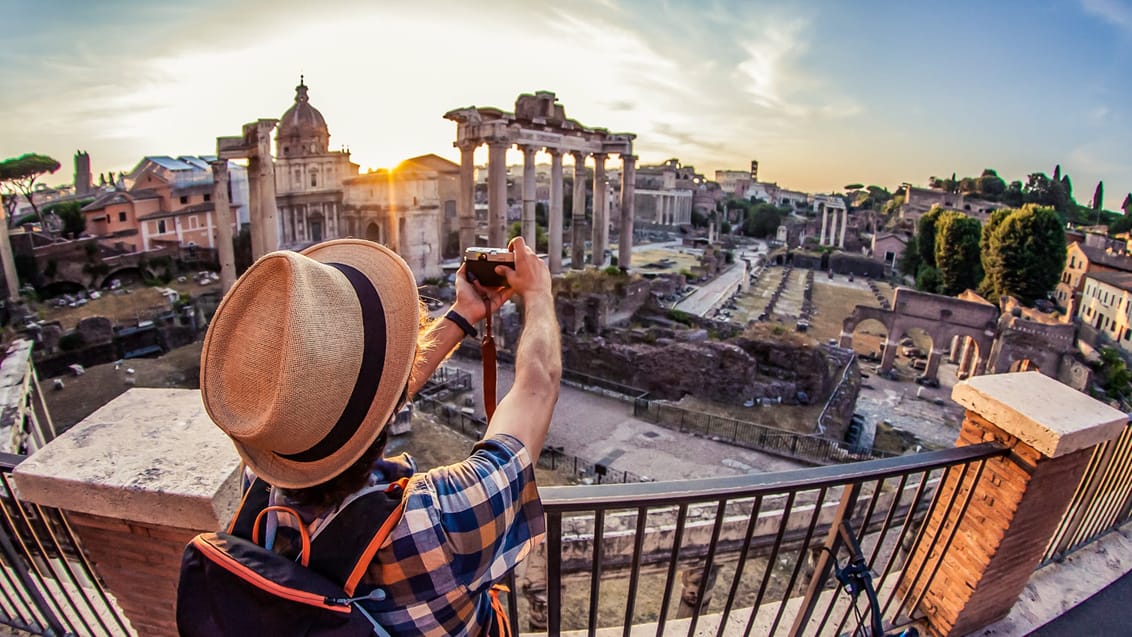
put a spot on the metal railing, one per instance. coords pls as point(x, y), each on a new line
point(47, 586)
point(1103, 500)
point(746, 551)
point(751, 435)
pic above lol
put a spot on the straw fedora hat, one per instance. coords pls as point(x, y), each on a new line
point(308, 355)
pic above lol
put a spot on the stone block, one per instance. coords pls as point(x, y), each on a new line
point(1049, 416)
point(151, 456)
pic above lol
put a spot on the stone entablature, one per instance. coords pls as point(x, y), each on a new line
point(539, 124)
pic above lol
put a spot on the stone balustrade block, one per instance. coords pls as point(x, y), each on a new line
point(1049, 416)
point(150, 456)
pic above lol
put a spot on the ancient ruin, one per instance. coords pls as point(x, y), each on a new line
point(540, 123)
point(977, 335)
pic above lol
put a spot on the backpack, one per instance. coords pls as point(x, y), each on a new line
point(231, 585)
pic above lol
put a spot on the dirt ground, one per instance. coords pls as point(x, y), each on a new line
point(132, 303)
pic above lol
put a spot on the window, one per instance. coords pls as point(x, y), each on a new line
point(184, 199)
point(160, 226)
point(122, 216)
point(207, 196)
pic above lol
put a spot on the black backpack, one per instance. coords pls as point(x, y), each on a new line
point(230, 585)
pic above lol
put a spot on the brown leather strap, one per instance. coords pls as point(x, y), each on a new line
point(487, 353)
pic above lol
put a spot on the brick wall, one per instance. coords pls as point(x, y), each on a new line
point(140, 565)
point(1001, 534)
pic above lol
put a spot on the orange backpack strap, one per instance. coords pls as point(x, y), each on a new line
point(501, 622)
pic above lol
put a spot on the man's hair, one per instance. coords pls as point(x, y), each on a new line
point(336, 489)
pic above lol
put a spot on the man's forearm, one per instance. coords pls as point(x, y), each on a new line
point(436, 344)
point(538, 359)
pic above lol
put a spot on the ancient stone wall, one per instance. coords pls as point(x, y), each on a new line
point(671, 363)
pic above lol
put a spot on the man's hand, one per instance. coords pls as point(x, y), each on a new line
point(470, 297)
point(530, 276)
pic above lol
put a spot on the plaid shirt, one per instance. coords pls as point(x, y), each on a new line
point(465, 527)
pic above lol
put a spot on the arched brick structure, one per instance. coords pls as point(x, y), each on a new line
point(940, 317)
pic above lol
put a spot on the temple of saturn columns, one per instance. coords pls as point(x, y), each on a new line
point(832, 210)
point(539, 124)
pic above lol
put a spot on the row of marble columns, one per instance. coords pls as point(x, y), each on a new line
point(296, 221)
point(833, 236)
point(497, 202)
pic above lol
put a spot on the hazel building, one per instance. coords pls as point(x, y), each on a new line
point(1106, 306)
point(165, 200)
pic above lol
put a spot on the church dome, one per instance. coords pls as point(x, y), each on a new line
point(302, 130)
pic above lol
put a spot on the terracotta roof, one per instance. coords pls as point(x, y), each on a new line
point(119, 196)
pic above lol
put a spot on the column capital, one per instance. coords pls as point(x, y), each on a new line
point(600, 156)
point(467, 144)
point(579, 156)
point(629, 157)
point(498, 142)
point(554, 152)
point(528, 148)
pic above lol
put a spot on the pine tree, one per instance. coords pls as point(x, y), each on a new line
point(1127, 205)
point(1057, 172)
point(1098, 196)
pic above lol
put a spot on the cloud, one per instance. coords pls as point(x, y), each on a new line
point(1114, 12)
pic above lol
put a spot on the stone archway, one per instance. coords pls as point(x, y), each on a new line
point(940, 317)
point(373, 232)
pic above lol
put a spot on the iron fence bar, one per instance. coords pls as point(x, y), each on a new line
point(799, 560)
point(595, 574)
point(30, 587)
point(554, 572)
point(681, 519)
point(635, 571)
point(787, 509)
point(826, 558)
point(585, 498)
point(19, 610)
point(706, 580)
point(47, 561)
point(1095, 513)
point(752, 523)
point(882, 535)
point(88, 570)
point(65, 565)
point(954, 531)
point(512, 603)
point(909, 517)
point(1083, 498)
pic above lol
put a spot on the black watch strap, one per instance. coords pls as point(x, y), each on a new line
point(462, 322)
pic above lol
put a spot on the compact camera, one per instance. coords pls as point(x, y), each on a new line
point(481, 263)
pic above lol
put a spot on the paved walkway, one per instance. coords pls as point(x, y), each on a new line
point(713, 292)
point(1106, 613)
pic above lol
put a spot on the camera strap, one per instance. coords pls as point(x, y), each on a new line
point(487, 353)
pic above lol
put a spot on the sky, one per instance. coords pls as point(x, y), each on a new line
point(821, 93)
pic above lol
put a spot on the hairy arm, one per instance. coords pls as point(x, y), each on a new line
point(442, 336)
point(526, 410)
